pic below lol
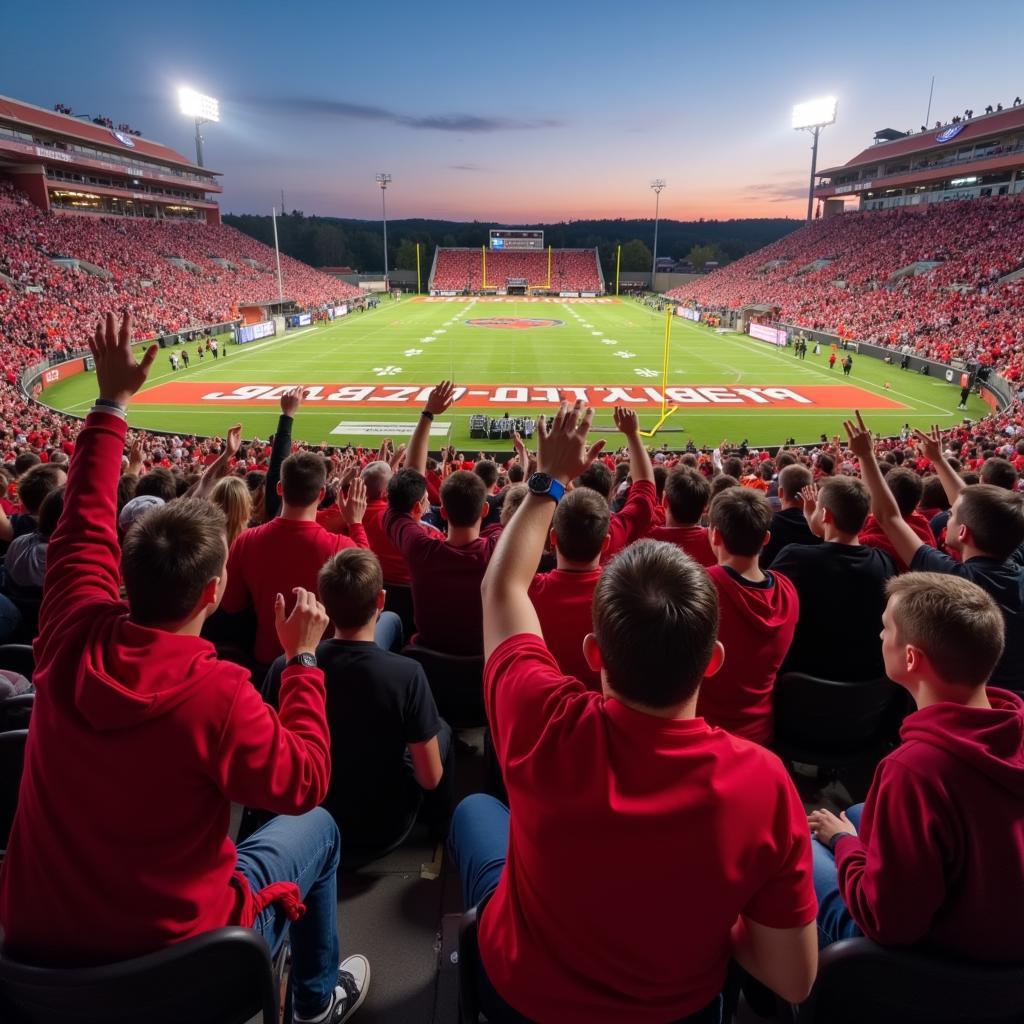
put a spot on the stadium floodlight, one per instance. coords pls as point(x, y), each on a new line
point(657, 185)
point(384, 180)
point(205, 109)
point(811, 117)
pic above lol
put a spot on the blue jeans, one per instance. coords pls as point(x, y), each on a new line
point(388, 634)
point(834, 920)
point(478, 843)
point(10, 619)
point(305, 850)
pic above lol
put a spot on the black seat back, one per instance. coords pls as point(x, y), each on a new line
point(456, 680)
point(16, 711)
point(12, 763)
point(18, 658)
point(859, 982)
point(398, 599)
point(222, 977)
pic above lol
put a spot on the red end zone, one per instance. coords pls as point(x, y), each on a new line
point(509, 396)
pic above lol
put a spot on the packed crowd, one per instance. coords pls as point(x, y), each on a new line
point(958, 309)
point(572, 270)
point(631, 615)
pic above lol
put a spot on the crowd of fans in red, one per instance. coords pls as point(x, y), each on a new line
point(958, 309)
point(572, 270)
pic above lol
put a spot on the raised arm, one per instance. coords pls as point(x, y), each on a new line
point(883, 504)
point(640, 466)
point(931, 445)
point(562, 454)
point(83, 555)
point(219, 468)
point(438, 401)
point(290, 402)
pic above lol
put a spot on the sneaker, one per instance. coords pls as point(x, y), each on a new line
point(349, 993)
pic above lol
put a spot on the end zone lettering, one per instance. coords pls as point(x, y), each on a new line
point(483, 396)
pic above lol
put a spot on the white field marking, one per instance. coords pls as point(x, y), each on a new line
point(833, 375)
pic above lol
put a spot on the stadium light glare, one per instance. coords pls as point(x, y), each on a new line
point(204, 109)
point(815, 113)
point(811, 117)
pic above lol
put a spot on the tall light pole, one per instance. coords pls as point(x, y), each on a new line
point(658, 184)
point(384, 180)
point(811, 117)
point(204, 109)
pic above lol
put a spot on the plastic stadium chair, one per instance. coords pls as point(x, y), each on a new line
point(18, 658)
point(834, 724)
point(456, 681)
point(859, 982)
point(12, 762)
point(469, 964)
point(16, 711)
point(222, 977)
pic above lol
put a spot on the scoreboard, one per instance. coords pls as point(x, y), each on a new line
point(516, 238)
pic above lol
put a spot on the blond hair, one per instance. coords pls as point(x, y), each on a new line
point(231, 496)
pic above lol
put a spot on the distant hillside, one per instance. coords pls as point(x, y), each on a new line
point(337, 241)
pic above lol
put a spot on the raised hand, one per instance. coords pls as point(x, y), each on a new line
point(233, 442)
point(809, 496)
point(353, 505)
point(292, 399)
point(860, 440)
point(627, 421)
point(562, 450)
point(931, 444)
point(302, 630)
point(440, 398)
point(397, 457)
point(136, 460)
point(118, 374)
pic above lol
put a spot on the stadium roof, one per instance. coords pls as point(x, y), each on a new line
point(975, 130)
point(64, 124)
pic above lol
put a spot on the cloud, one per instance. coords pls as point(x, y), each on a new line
point(783, 192)
point(465, 167)
point(465, 123)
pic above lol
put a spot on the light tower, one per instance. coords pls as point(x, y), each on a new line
point(384, 180)
point(203, 108)
point(658, 184)
point(811, 117)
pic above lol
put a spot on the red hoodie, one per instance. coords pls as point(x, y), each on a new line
point(940, 856)
point(140, 741)
point(756, 625)
point(874, 536)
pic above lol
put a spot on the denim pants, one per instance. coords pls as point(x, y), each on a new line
point(305, 850)
point(387, 634)
point(834, 920)
point(478, 842)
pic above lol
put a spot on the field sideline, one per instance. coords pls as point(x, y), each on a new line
point(372, 368)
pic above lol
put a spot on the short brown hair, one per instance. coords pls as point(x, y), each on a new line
point(1000, 472)
point(793, 479)
point(168, 556)
point(514, 496)
point(656, 622)
point(686, 492)
point(848, 500)
point(303, 477)
point(952, 620)
point(906, 487)
point(349, 584)
point(581, 524)
point(995, 518)
point(598, 477)
point(37, 483)
point(159, 482)
point(933, 494)
point(463, 496)
point(742, 515)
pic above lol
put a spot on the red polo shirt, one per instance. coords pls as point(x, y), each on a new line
point(564, 600)
point(691, 539)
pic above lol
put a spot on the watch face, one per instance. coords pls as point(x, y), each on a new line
point(308, 660)
point(540, 483)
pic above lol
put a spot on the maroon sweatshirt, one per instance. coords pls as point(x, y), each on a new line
point(939, 861)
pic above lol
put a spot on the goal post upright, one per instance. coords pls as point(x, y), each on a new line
point(665, 410)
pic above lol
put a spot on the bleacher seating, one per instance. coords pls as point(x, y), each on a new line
point(572, 270)
point(959, 308)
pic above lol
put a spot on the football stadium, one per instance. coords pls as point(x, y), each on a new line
point(525, 604)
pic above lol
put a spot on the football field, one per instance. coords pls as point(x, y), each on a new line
point(368, 374)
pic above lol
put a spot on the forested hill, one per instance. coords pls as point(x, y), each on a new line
point(337, 242)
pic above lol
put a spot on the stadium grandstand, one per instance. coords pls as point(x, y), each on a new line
point(480, 272)
point(581, 733)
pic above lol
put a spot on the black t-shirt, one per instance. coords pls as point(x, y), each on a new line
point(842, 597)
point(377, 703)
point(788, 526)
point(1004, 581)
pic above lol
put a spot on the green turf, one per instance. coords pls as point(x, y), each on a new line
point(387, 346)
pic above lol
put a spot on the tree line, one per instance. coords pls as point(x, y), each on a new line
point(341, 242)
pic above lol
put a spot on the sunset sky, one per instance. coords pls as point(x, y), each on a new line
point(516, 112)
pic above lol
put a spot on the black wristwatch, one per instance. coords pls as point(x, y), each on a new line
point(305, 659)
point(545, 486)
